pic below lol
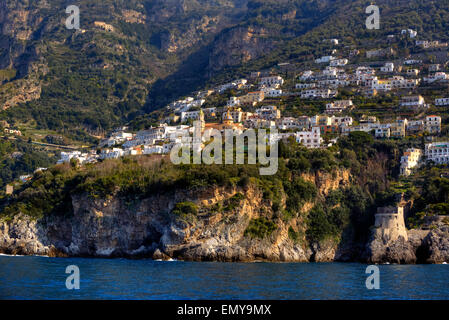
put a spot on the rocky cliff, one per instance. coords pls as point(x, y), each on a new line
point(218, 231)
point(227, 224)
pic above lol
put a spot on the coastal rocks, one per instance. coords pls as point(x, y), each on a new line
point(422, 246)
point(398, 251)
point(389, 238)
point(23, 236)
point(158, 255)
point(323, 252)
point(436, 245)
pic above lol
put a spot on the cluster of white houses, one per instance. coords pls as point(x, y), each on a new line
point(316, 83)
point(309, 131)
point(398, 128)
point(437, 152)
point(322, 84)
point(306, 130)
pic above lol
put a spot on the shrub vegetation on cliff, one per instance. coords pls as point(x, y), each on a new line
point(260, 228)
point(185, 208)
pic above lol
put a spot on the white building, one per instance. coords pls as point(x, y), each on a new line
point(412, 61)
point(388, 67)
point(153, 149)
point(410, 160)
point(363, 72)
point(184, 105)
point(341, 121)
point(117, 138)
point(339, 62)
point(383, 131)
point(413, 101)
point(437, 76)
point(194, 115)
point(412, 72)
point(113, 153)
point(310, 139)
point(318, 93)
point(333, 83)
point(305, 85)
point(237, 84)
point(442, 102)
point(306, 75)
point(438, 152)
point(381, 85)
point(338, 106)
point(156, 133)
point(432, 124)
point(272, 92)
point(268, 113)
point(399, 82)
point(363, 127)
point(174, 132)
point(415, 126)
point(233, 102)
point(325, 59)
point(411, 33)
point(271, 81)
point(258, 123)
point(148, 136)
point(76, 155)
point(287, 123)
point(425, 44)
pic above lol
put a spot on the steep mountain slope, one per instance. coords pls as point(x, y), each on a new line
point(158, 50)
point(346, 21)
point(93, 78)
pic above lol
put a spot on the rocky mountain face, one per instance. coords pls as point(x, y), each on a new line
point(18, 26)
point(240, 45)
point(149, 228)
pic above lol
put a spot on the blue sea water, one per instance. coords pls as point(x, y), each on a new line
point(44, 278)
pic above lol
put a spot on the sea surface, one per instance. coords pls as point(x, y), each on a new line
point(45, 278)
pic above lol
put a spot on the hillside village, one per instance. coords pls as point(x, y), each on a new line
point(336, 82)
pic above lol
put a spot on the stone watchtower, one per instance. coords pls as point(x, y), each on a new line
point(390, 224)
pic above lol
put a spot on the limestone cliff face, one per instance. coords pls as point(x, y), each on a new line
point(115, 227)
point(19, 20)
point(328, 181)
point(120, 227)
point(239, 45)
